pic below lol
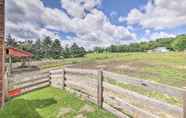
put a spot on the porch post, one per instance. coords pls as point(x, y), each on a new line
point(2, 54)
point(9, 65)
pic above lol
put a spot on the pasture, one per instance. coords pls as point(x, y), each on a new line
point(166, 68)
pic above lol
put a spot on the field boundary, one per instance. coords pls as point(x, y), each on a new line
point(65, 78)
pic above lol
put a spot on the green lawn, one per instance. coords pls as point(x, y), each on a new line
point(51, 103)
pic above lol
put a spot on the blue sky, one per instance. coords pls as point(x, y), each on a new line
point(111, 8)
point(92, 23)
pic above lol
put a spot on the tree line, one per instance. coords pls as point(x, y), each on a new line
point(173, 44)
point(52, 48)
point(46, 48)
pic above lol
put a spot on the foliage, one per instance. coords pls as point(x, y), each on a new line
point(11, 42)
point(74, 51)
point(180, 43)
point(177, 43)
point(56, 49)
point(46, 48)
point(77, 51)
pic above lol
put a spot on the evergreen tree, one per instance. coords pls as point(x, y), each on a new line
point(11, 42)
point(77, 51)
point(47, 47)
point(37, 50)
point(56, 49)
point(66, 52)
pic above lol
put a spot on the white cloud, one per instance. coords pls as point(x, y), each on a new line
point(32, 20)
point(157, 35)
point(24, 19)
point(159, 14)
point(78, 8)
point(148, 36)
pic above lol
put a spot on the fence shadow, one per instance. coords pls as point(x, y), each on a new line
point(21, 108)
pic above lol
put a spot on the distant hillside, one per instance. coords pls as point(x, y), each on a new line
point(174, 44)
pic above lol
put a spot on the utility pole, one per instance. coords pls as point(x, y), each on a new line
point(2, 51)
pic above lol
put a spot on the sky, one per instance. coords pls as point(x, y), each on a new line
point(95, 23)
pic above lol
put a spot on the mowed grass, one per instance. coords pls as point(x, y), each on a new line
point(51, 103)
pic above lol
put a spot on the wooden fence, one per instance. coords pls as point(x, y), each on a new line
point(94, 86)
point(27, 84)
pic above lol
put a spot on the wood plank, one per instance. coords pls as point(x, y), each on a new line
point(53, 76)
point(30, 79)
point(35, 87)
point(184, 105)
point(58, 71)
point(156, 104)
point(34, 83)
point(114, 111)
point(2, 52)
point(100, 89)
point(82, 71)
point(128, 108)
point(165, 89)
point(93, 100)
point(82, 88)
point(63, 79)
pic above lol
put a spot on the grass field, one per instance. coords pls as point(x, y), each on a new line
point(51, 103)
point(166, 68)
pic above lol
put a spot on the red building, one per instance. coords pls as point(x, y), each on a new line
point(16, 53)
point(19, 54)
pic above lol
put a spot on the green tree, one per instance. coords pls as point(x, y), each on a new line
point(75, 50)
point(37, 50)
point(47, 47)
point(66, 52)
point(179, 44)
point(56, 49)
point(11, 42)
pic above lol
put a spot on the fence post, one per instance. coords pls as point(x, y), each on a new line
point(184, 105)
point(100, 89)
point(50, 77)
point(63, 79)
point(6, 85)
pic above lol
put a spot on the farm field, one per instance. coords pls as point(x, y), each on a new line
point(51, 103)
point(166, 68)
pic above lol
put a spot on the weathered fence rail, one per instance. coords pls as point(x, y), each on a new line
point(27, 84)
point(90, 84)
point(165, 89)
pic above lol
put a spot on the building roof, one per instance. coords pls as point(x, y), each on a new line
point(17, 53)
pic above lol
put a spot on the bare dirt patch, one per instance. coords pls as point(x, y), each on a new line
point(80, 116)
point(86, 109)
point(63, 112)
